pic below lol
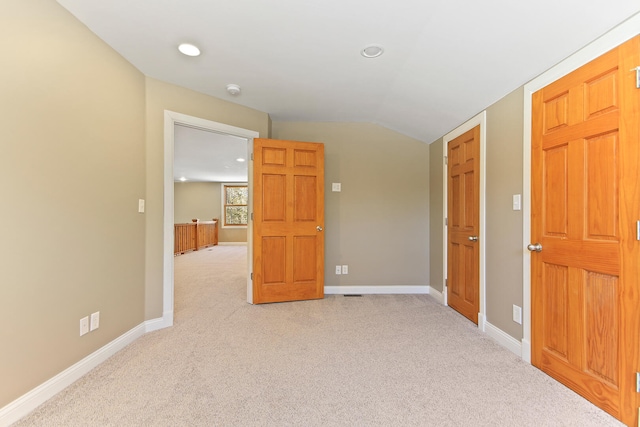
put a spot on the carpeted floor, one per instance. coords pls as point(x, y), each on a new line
point(375, 360)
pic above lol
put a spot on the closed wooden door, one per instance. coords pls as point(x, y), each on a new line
point(463, 252)
point(585, 204)
point(288, 221)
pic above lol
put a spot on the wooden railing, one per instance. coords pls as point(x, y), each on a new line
point(195, 235)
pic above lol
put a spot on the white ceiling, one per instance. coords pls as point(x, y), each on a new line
point(299, 60)
point(200, 155)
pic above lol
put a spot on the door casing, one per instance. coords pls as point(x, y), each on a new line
point(479, 120)
point(172, 118)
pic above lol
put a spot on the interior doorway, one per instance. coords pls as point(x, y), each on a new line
point(479, 120)
point(463, 223)
point(171, 120)
point(207, 167)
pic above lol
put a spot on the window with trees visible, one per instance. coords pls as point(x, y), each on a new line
point(235, 198)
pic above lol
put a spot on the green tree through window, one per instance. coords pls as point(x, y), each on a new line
point(236, 197)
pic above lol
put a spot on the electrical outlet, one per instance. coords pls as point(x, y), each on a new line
point(345, 269)
point(338, 269)
point(140, 205)
point(517, 314)
point(84, 325)
point(95, 321)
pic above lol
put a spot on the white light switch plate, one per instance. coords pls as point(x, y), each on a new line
point(141, 205)
point(517, 202)
point(336, 186)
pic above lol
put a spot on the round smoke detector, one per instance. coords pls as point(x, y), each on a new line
point(233, 89)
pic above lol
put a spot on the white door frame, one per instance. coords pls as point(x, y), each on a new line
point(171, 119)
point(481, 120)
point(613, 38)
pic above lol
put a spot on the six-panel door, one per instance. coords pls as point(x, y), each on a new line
point(288, 252)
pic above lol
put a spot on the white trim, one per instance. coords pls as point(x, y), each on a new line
point(172, 118)
point(249, 242)
point(232, 243)
point(445, 207)
point(23, 405)
point(613, 38)
point(480, 119)
point(376, 290)
point(503, 338)
point(482, 321)
point(437, 295)
point(160, 323)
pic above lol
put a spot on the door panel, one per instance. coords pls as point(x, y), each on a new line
point(288, 241)
point(584, 285)
point(463, 263)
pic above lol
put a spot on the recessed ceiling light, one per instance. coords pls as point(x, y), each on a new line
point(183, 179)
point(240, 159)
point(189, 49)
point(372, 51)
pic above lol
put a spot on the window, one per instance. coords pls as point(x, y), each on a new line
point(234, 205)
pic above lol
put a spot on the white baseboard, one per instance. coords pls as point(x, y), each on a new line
point(436, 294)
point(232, 243)
point(23, 405)
point(160, 323)
point(482, 322)
point(374, 290)
point(526, 351)
point(503, 339)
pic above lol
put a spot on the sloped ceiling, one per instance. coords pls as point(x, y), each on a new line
point(444, 60)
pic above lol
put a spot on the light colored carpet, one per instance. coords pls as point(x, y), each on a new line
point(379, 360)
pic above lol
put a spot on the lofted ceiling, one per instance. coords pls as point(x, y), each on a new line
point(444, 60)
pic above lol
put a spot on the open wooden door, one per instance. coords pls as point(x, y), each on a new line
point(288, 221)
point(585, 264)
point(463, 251)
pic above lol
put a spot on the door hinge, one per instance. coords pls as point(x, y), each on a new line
point(637, 70)
point(446, 160)
point(251, 156)
point(251, 276)
point(446, 221)
point(251, 216)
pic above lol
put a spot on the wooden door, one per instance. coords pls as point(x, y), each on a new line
point(288, 221)
point(463, 252)
point(585, 204)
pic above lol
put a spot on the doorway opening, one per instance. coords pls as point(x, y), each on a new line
point(171, 120)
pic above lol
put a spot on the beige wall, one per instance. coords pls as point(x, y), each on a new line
point(436, 201)
point(162, 96)
point(379, 223)
point(203, 200)
point(503, 241)
point(72, 168)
